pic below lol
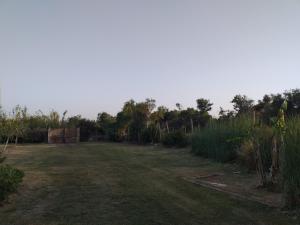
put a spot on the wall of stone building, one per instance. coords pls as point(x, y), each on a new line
point(63, 135)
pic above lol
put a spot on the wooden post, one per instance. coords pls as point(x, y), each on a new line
point(167, 125)
point(49, 136)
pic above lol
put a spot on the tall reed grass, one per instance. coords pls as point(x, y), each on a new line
point(291, 162)
point(220, 140)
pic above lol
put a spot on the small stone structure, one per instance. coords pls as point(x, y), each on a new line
point(63, 135)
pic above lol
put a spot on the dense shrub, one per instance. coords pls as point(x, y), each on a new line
point(220, 140)
point(176, 139)
point(10, 178)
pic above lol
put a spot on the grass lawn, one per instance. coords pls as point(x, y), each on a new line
point(110, 183)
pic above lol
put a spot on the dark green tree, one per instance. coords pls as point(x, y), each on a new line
point(242, 104)
point(204, 105)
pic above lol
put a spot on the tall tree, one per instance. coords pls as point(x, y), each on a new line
point(187, 117)
point(204, 105)
point(226, 114)
point(293, 101)
point(242, 104)
point(158, 118)
point(105, 122)
point(53, 119)
point(178, 106)
point(63, 118)
point(203, 116)
point(19, 117)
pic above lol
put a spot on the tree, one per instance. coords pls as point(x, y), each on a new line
point(139, 120)
point(242, 104)
point(106, 123)
point(158, 118)
point(187, 119)
point(128, 107)
point(5, 129)
point(135, 117)
point(203, 116)
point(18, 122)
point(8, 130)
point(268, 107)
point(171, 120)
point(178, 106)
point(74, 121)
point(2, 122)
point(293, 101)
point(226, 114)
point(53, 120)
point(64, 118)
point(204, 105)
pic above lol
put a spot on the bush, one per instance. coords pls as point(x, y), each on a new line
point(10, 178)
point(175, 139)
point(220, 140)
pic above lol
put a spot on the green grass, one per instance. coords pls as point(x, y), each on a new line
point(121, 184)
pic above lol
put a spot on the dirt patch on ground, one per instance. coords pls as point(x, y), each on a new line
point(235, 183)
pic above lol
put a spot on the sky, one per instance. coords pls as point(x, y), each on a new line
point(91, 56)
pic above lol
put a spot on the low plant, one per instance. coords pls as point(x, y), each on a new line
point(10, 178)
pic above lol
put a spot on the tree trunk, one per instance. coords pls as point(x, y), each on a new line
point(167, 125)
point(6, 144)
point(159, 130)
point(192, 126)
point(16, 141)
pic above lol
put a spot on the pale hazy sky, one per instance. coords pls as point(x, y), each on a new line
point(91, 56)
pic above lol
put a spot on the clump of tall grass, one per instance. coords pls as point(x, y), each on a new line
point(255, 152)
point(291, 162)
point(258, 137)
point(221, 139)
